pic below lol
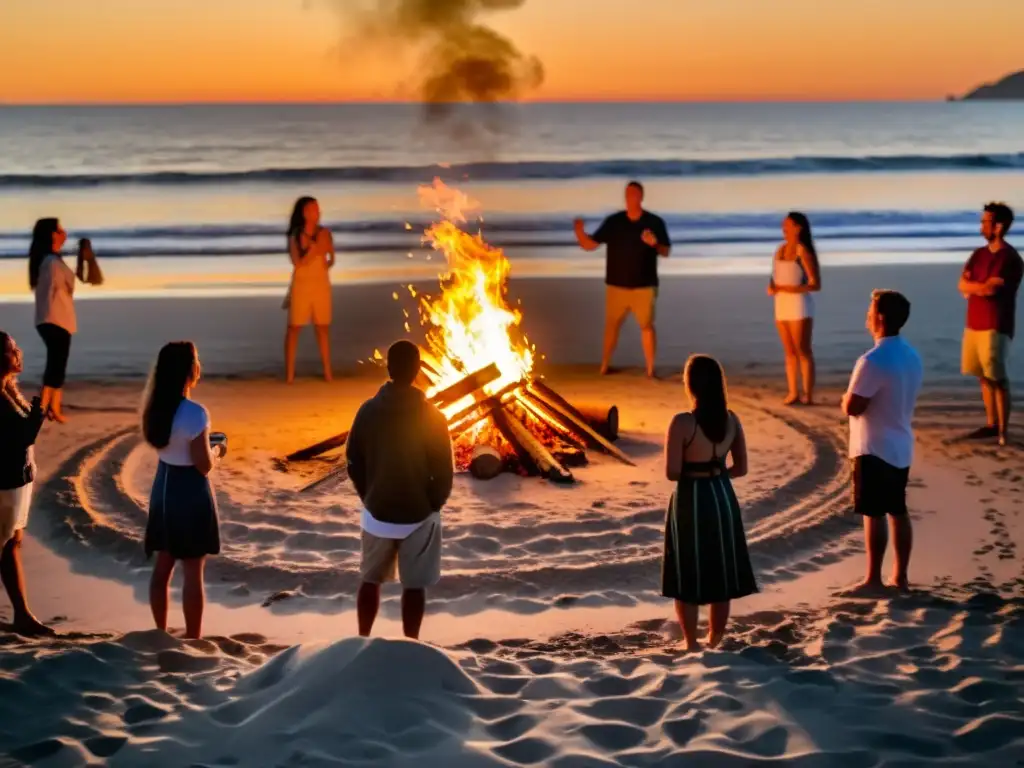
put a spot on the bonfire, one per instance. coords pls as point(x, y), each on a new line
point(478, 364)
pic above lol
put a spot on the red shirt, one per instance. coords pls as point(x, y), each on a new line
point(996, 312)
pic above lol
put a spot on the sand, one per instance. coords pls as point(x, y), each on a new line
point(547, 642)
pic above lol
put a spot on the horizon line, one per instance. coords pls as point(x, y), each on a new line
point(415, 103)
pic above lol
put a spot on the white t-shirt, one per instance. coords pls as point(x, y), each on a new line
point(189, 422)
point(890, 375)
point(383, 530)
point(54, 294)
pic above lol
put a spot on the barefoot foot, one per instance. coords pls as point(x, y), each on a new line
point(866, 588)
point(30, 626)
point(791, 399)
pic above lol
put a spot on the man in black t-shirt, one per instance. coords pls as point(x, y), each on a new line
point(635, 239)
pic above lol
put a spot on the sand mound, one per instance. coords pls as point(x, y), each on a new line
point(923, 678)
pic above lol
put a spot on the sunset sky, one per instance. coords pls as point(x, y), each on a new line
point(73, 51)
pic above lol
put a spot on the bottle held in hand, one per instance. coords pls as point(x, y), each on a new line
point(219, 444)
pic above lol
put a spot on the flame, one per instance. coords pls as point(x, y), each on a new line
point(470, 324)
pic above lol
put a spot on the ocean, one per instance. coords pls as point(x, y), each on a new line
point(197, 197)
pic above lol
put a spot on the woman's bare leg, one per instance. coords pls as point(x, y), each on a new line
point(57, 406)
point(687, 615)
point(719, 620)
point(159, 587)
point(193, 596)
point(13, 577)
point(323, 341)
point(789, 349)
point(291, 342)
point(802, 332)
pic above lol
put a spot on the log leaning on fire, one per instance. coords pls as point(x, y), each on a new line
point(467, 385)
point(530, 450)
point(564, 411)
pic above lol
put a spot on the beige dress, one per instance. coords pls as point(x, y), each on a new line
point(309, 295)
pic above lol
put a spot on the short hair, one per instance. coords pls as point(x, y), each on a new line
point(1001, 214)
point(403, 362)
point(894, 308)
point(638, 185)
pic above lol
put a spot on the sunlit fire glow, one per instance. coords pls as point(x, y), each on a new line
point(470, 324)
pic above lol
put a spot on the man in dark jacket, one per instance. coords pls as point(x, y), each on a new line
point(400, 461)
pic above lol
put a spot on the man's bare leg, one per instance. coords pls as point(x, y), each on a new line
point(876, 538)
point(1003, 406)
point(414, 605)
point(612, 326)
point(902, 543)
point(988, 397)
point(649, 339)
point(367, 605)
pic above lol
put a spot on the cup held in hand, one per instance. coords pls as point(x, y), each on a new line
point(219, 444)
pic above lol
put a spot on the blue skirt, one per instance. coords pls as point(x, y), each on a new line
point(706, 558)
point(182, 514)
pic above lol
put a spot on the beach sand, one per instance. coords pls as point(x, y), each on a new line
point(547, 642)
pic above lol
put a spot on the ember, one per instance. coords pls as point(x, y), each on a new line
point(477, 366)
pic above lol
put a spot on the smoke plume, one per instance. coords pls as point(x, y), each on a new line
point(459, 59)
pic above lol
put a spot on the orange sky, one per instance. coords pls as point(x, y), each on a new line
point(71, 51)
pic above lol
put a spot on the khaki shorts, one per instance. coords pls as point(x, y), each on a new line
point(985, 355)
point(417, 557)
point(620, 302)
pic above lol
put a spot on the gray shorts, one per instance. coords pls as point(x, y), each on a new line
point(416, 558)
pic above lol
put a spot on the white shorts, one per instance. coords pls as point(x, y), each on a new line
point(14, 506)
point(793, 306)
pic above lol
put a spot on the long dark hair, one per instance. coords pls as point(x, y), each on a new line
point(298, 220)
point(41, 247)
point(8, 382)
point(806, 237)
point(705, 383)
point(173, 372)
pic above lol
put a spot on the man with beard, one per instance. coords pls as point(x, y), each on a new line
point(990, 282)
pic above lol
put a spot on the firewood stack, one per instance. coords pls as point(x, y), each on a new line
point(525, 427)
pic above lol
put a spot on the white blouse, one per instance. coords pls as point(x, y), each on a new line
point(55, 294)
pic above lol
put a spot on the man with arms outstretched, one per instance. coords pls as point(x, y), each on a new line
point(990, 282)
point(880, 402)
point(636, 239)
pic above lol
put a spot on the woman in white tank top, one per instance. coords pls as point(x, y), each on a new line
point(795, 276)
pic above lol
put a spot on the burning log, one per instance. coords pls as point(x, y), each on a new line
point(486, 462)
point(561, 410)
point(531, 452)
point(466, 386)
point(469, 417)
point(603, 419)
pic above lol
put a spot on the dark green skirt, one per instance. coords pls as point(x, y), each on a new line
point(706, 558)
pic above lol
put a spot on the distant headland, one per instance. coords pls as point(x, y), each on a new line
point(1009, 88)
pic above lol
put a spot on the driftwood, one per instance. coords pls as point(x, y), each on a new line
point(486, 462)
point(322, 447)
point(604, 419)
point(563, 411)
point(340, 472)
point(531, 452)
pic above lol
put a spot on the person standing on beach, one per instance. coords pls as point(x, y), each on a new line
point(706, 561)
point(183, 521)
point(880, 402)
point(19, 426)
point(636, 239)
point(399, 457)
point(796, 274)
point(54, 286)
point(311, 249)
point(990, 281)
